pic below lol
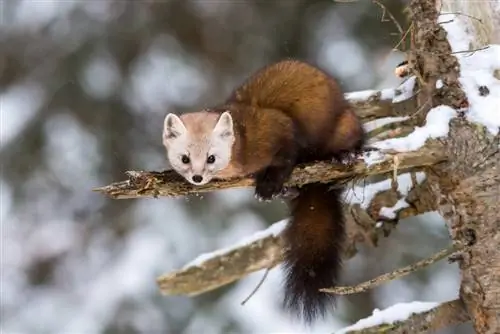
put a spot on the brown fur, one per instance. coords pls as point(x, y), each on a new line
point(287, 113)
point(303, 92)
point(252, 153)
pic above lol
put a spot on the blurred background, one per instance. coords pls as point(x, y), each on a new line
point(84, 88)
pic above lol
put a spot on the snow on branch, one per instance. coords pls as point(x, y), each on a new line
point(213, 270)
point(414, 317)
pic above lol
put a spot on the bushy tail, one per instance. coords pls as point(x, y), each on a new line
point(314, 239)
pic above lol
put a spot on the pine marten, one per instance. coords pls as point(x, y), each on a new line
point(287, 113)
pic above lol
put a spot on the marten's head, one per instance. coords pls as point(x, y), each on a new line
point(198, 144)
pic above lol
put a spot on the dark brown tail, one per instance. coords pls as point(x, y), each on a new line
point(314, 240)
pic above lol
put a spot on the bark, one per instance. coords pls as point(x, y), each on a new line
point(170, 184)
point(468, 185)
point(468, 189)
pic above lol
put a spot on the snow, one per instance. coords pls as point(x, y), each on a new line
point(360, 95)
point(385, 94)
point(477, 79)
point(405, 90)
point(372, 158)
point(378, 122)
point(363, 194)
point(390, 213)
point(390, 315)
point(273, 230)
point(476, 70)
point(436, 126)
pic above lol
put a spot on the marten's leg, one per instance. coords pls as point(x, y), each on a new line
point(269, 181)
point(348, 138)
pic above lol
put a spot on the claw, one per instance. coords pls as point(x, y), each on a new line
point(348, 159)
point(261, 199)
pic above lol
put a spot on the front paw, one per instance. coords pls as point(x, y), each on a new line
point(347, 159)
point(268, 190)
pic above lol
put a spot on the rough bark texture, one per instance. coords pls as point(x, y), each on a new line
point(469, 197)
point(468, 186)
point(431, 59)
point(169, 183)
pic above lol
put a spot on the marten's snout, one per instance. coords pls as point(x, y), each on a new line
point(197, 178)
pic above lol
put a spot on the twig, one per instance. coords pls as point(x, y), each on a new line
point(471, 51)
point(257, 287)
point(394, 181)
point(345, 290)
point(462, 14)
point(223, 269)
point(454, 52)
point(403, 38)
point(384, 11)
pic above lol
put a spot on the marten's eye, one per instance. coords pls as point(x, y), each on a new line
point(185, 159)
point(211, 159)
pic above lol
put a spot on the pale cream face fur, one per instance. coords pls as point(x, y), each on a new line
point(198, 144)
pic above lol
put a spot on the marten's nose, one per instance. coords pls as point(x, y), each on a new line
point(197, 178)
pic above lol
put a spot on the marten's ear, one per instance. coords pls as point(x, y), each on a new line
point(224, 126)
point(173, 127)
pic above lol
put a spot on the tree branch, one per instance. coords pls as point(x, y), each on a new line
point(467, 187)
point(223, 269)
point(369, 105)
point(169, 183)
point(442, 316)
point(264, 252)
point(365, 286)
